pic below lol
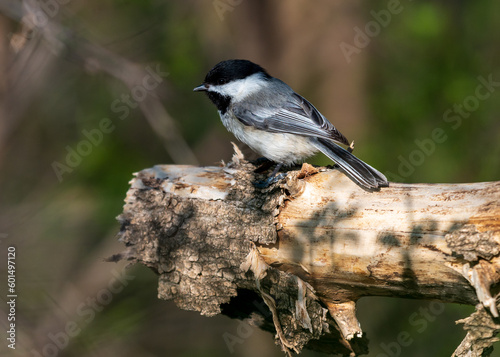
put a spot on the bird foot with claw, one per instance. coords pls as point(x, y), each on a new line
point(269, 181)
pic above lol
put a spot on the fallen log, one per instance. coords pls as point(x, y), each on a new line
point(294, 258)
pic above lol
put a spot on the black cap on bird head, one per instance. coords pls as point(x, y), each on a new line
point(226, 71)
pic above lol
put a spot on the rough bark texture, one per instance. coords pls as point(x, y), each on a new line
point(295, 258)
point(481, 331)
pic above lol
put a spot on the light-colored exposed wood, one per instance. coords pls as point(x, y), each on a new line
point(398, 241)
point(316, 229)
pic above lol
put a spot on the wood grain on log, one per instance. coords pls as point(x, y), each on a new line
point(315, 243)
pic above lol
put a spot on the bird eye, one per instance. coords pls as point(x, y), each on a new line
point(222, 81)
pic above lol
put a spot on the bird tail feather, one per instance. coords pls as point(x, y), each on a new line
point(359, 171)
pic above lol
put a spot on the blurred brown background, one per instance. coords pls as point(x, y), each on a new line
point(93, 91)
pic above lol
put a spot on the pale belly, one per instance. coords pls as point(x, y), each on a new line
point(281, 148)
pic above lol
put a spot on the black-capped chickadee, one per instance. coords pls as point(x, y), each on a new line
point(277, 123)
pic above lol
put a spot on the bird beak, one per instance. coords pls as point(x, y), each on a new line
point(203, 87)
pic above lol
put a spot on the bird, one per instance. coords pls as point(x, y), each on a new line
point(267, 115)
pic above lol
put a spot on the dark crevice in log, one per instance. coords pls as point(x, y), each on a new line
point(294, 259)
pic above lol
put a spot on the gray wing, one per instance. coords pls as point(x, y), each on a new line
point(294, 116)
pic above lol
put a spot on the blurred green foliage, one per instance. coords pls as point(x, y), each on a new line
point(424, 62)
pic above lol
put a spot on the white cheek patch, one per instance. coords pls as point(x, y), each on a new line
point(241, 88)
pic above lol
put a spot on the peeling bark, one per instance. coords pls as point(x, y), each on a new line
point(481, 331)
point(294, 258)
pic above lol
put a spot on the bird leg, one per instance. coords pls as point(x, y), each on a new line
point(263, 164)
point(273, 178)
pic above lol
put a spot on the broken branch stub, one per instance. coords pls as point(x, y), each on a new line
point(295, 258)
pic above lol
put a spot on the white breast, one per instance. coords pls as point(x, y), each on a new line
point(281, 148)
